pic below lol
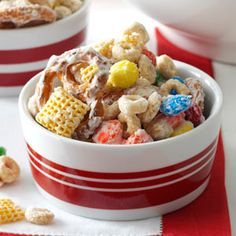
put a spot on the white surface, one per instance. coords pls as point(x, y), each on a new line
point(107, 19)
point(197, 25)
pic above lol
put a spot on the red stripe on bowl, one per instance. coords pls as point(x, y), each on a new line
point(16, 79)
point(123, 185)
point(41, 53)
point(121, 199)
point(142, 174)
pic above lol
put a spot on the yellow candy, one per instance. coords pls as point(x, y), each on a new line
point(182, 128)
point(10, 212)
point(123, 74)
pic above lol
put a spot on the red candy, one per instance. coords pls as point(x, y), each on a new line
point(150, 55)
point(110, 132)
point(194, 114)
point(140, 136)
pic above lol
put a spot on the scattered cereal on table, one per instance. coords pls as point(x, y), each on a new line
point(10, 212)
point(9, 170)
point(39, 216)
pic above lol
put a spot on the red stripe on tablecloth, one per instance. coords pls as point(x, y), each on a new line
point(16, 79)
point(131, 175)
point(208, 215)
point(123, 185)
point(41, 53)
point(121, 199)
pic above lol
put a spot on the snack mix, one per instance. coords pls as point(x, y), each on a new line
point(27, 13)
point(116, 92)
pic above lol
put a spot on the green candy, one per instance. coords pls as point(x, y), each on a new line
point(160, 79)
point(2, 151)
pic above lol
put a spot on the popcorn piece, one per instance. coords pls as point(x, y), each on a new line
point(73, 5)
point(39, 216)
point(123, 74)
point(62, 12)
point(10, 212)
point(62, 113)
point(15, 14)
point(147, 69)
point(140, 136)
point(110, 132)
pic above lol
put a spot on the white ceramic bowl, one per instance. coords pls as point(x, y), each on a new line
point(24, 52)
point(124, 182)
point(204, 27)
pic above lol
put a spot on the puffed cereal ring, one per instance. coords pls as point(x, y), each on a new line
point(137, 34)
point(140, 136)
point(39, 216)
point(124, 51)
point(110, 132)
point(166, 66)
point(147, 69)
point(123, 74)
point(175, 84)
point(159, 128)
point(132, 121)
point(182, 128)
point(105, 48)
point(142, 90)
point(154, 103)
point(9, 169)
point(132, 104)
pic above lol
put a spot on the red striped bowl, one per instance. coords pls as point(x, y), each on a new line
point(24, 52)
point(118, 182)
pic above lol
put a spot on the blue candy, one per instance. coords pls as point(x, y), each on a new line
point(175, 104)
point(173, 92)
point(179, 79)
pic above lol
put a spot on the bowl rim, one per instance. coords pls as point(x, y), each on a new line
point(57, 23)
point(215, 110)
